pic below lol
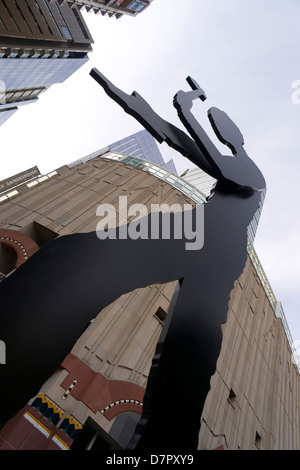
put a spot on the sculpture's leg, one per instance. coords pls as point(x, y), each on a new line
point(48, 301)
point(188, 361)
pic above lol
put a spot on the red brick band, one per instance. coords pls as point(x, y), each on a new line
point(110, 397)
point(22, 245)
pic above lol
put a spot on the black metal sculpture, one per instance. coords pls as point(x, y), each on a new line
point(48, 301)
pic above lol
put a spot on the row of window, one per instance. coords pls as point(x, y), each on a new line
point(137, 5)
point(9, 196)
point(33, 73)
point(12, 96)
point(63, 30)
point(54, 414)
point(33, 54)
point(14, 193)
point(159, 172)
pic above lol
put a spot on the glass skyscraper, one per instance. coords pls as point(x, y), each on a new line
point(200, 179)
point(34, 73)
point(41, 43)
point(142, 145)
point(115, 8)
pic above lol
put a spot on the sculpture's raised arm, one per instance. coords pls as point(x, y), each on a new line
point(161, 130)
point(183, 102)
point(240, 169)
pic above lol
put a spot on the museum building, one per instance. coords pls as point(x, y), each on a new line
point(94, 400)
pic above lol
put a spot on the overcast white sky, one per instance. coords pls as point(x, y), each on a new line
point(243, 53)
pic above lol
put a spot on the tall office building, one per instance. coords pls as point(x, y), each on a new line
point(116, 8)
point(200, 179)
point(95, 398)
point(142, 145)
point(41, 43)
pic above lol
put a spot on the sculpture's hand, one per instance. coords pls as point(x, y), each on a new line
point(240, 169)
point(161, 130)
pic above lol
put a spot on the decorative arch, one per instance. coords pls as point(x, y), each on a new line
point(21, 244)
point(110, 397)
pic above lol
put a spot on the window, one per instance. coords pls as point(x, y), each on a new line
point(2, 24)
point(48, 409)
point(136, 162)
point(33, 17)
point(66, 32)
point(257, 440)
point(232, 398)
point(53, 19)
point(137, 5)
point(71, 427)
point(10, 16)
point(160, 315)
point(13, 194)
point(81, 25)
point(3, 198)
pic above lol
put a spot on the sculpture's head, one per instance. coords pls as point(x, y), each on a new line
point(237, 168)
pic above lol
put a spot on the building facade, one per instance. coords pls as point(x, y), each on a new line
point(200, 179)
point(143, 146)
point(94, 399)
point(41, 43)
point(115, 8)
point(205, 183)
